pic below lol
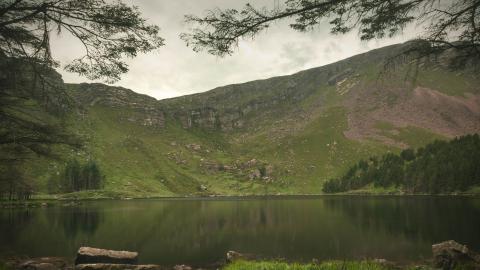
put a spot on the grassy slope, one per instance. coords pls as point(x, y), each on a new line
point(143, 161)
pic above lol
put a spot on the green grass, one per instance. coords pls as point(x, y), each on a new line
point(414, 137)
point(370, 189)
point(451, 84)
point(332, 265)
point(142, 161)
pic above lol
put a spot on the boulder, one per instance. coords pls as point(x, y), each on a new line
point(45, 263)
point(233, 256)
point(88, 255)
point(182, 267)
point(450, 254)
point(109, 266)
point(255, 174)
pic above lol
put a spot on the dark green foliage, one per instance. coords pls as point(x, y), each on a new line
point(14, 183)
point(439, 167)
point(108, 31)
point(219, 31)
point(408, 154)
point(77, 177)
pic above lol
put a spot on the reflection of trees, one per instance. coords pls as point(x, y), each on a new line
point(13, 223)
point(81, 219)
point(429, 219)
point(198, 231)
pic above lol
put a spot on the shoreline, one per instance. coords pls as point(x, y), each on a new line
point(241, 197)
point(68, 202)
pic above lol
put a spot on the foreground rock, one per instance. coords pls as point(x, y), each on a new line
point(450, 254)
point(88, 255)
point(235, 256)
point(45, 263)
point(111, 266)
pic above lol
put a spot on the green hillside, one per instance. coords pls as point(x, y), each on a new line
point(284, 135)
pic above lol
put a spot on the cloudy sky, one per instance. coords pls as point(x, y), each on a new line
point(175, 70)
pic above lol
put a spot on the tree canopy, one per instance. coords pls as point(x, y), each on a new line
point(108, 31)
point(439, 167)
point(445, 23)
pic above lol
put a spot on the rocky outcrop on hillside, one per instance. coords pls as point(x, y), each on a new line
point(19, 79)
point(287, 104)
point(132, 107)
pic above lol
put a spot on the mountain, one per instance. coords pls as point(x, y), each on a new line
point(284, 135)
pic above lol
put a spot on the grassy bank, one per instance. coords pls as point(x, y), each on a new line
point(331, 265)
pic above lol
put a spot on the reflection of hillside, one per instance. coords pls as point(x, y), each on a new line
point(200, 232)
point(429, 219)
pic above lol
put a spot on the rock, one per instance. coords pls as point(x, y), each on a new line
point(45, 263)
point(88, 255)
point(251, 163)
point(194, 146)
point(182, 267)
point(268, 170)
point(233, 256)
point(109, 266)
point(202, 188)
point(255, 174)
point(449, 254)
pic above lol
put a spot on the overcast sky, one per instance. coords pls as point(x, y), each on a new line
point(175, 70)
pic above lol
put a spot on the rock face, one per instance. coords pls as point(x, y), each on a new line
point(450, 254)
point(133, 107)
point(88, 255)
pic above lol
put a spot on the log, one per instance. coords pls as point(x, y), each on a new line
point(89, 255)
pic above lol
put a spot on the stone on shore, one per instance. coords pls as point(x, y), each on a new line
point(110, 266)
point(450, 254)
point(45, 263)
point(88, 255)
point(234, 256)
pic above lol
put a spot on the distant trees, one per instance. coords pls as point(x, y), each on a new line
point(32, 96)
point(77, 177)
point(14, 184)
point(439, 167)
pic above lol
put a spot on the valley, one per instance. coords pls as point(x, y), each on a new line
point(283, 135)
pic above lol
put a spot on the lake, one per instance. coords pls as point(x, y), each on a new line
point(200, 231)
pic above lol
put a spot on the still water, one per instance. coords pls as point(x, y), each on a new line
point(200, 232)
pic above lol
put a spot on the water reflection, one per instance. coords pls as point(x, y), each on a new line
point(12, 223)
point(200, 232)
point(81, 220)
point(431, 219)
